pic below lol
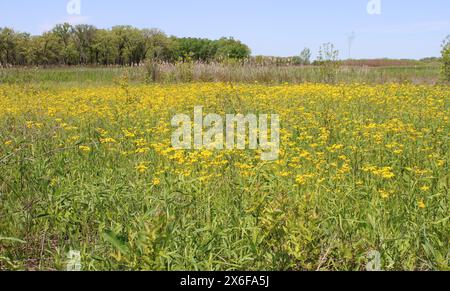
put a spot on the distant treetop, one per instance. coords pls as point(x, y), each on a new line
point(85, 44)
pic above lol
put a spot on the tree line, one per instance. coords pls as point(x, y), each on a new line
point(85, 44)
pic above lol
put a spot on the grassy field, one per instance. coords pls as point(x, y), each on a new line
point(363, 168)
point(199, 72)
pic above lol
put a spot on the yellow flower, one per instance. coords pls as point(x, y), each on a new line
point(8, 142)
point(74, 138)
point(388, 175)
point(53, 182)
point(440, 163)
point(425, 188)
point(85, 148)
point(385, 173)
point(128, 133)
point(285, 174)
point(421, 204)
point(102, 132)
point(303, 179)
point(385, 194)
point(141, 168)
point(107, 140)
point(142, 150)
point(156, 182)
point(140, 142)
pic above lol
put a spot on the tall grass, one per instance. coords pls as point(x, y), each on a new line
point(215, 72)
point(176, 73)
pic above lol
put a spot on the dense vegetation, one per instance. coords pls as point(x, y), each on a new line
point(181, 72)
point(122, 45)
point(362, 169)
point(86, 162)
point(446, 60)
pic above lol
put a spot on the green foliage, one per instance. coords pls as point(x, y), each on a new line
point(122, 45)
point(229, 48)
point(183, 71)
point(304, 58)
point(206, 50)
point(13, 47)
point(328, 60)
point(54, 197)
point(446, 60)
point(197, 49)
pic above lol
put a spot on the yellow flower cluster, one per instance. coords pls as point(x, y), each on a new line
point(356, 135)
point(359, 166)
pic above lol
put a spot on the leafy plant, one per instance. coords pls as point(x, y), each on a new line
point(304, 58)
point(445, 71)
point(328, 60)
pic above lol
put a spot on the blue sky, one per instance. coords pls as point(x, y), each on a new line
point(403, 29)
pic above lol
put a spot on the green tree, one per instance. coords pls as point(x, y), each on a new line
point(22, 49)
point(121, 38)
point(446, 59)
point(122, 45)
point(84, 36)
point(136, 47)
point(196, 49)
point(8, 46)
point(229, 48)
point(328, 61)
point(104, 48)
point(304, 58)
point(158, 46)
point(46, 49)
point(65, 35)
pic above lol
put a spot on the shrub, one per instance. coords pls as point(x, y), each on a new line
point(328, 61)
point(304, 58)
point(446, 60)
